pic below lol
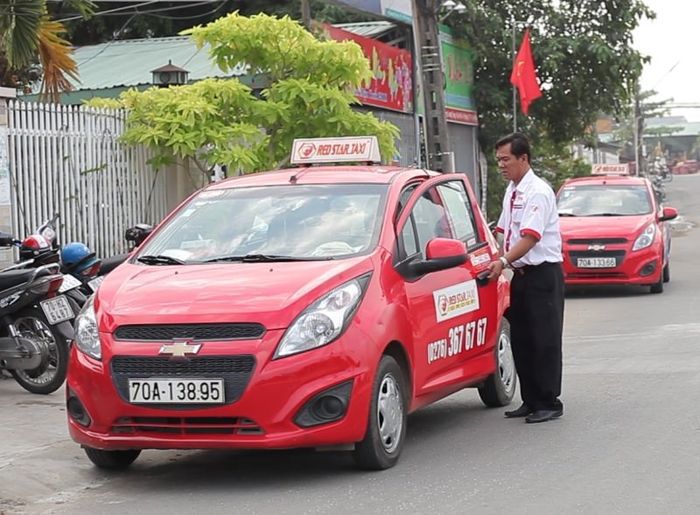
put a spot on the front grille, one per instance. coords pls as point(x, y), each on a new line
point(234, 370)
point(596, 241)
point(187, 425)
point(208, 332)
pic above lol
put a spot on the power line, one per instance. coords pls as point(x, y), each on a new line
point(101, 13)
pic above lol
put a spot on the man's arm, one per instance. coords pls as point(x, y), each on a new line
point(519, 250)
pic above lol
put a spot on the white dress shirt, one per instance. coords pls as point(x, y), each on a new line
point(531, 208)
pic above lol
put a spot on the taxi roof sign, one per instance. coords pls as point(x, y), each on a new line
point(610, 169)
point(335, 150)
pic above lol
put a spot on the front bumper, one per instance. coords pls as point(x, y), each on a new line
point(263, 417)
point(642, 267)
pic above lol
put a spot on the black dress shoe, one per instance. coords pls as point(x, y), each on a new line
point(523, 411)
point(544, 415)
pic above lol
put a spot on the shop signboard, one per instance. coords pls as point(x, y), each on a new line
point(391, 84)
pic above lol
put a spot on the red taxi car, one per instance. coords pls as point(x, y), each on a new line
point(613, 232)
point(305, 307)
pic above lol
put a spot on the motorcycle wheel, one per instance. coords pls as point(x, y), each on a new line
point(50, 375)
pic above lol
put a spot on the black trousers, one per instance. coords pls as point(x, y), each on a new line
point(536, 317)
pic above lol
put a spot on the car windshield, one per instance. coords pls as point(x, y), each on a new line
point(604, 200)
point(271, 223)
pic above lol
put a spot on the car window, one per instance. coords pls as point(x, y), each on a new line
point(459, 211)
point(430, 218)
point(604, 200)
point(408, 239)
point(403, 198)
point(300, 221)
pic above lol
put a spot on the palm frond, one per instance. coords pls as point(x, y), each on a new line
point(55, 55)
point(19, 24)
point(86, 8)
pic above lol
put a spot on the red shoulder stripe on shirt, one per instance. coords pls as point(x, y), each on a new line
point(531, 232)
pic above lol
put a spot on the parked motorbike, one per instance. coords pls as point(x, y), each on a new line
point(659, 189)
point(41, 248)
point(35, 325)
point(82, 264)
point(82, 269)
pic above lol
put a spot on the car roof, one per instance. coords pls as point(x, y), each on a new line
point(376, 174)
point(601, 180)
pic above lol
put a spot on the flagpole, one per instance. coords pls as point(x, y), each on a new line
point(515, 98)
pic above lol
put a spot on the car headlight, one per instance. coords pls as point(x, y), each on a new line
point(645, 239)
point(87, 337)
point(324, 320)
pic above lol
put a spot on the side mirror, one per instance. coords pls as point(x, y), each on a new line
point(6, 240)
point(441, 253)
point(669, 213)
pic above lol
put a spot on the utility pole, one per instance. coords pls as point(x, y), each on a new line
point(638, 133)
point(306, 14)
point(425, 26)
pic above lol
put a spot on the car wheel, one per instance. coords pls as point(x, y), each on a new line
point(499, 388)
point(112, 460)
point(386, 424)
point(659, 286)
point(667, 272)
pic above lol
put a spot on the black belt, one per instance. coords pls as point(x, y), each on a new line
point(522, 270)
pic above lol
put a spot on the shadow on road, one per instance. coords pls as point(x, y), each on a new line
point(212, 470)
point(574, 292)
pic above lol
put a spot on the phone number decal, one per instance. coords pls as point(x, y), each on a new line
point(460, 338)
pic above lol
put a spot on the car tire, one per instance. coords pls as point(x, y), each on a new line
point(499, 388)
point(659, 286)
point(667, 272)
point(112, 460)
point(386, 424)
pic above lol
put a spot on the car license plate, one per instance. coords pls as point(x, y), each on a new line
point(69, 282)
point(176, 391)
point(57, 309)
point(598, 262)
point(95, 283)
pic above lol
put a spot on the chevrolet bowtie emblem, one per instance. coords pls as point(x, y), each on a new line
point(180, 349)
point(596, 248)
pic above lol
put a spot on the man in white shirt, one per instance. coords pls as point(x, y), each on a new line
point(532, 248)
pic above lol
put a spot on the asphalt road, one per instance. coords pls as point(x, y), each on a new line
point(629, 441)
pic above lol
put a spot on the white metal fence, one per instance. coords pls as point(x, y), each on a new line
point(69, 160)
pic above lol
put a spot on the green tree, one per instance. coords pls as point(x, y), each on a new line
point(29, 36)
point(220, 121)
point(585, 61)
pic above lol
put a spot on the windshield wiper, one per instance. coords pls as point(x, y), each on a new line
point(264, 258)
point(566, 214)
point(605, 214)
point(160, 259)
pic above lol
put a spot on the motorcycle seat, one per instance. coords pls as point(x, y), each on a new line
point(10, 278)
point(110, 263)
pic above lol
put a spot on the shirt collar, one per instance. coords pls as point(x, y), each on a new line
point(527, 178)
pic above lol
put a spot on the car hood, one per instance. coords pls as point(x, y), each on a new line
point(272, 294)
point(593, 227)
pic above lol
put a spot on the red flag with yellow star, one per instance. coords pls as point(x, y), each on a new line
point(523, 76)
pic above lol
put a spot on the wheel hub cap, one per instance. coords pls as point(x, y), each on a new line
point(389, 413)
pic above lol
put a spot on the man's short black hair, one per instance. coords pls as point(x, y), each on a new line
point(519, 145)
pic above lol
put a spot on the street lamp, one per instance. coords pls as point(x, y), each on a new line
point(452, 7)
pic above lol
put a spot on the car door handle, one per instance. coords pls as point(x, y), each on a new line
point(483, 278)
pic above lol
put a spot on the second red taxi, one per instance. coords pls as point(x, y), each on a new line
point(305, 307)
point(614, 232)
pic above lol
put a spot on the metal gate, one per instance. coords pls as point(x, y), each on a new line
point(70, 160)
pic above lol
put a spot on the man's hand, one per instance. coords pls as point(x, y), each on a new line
point(495, 269)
